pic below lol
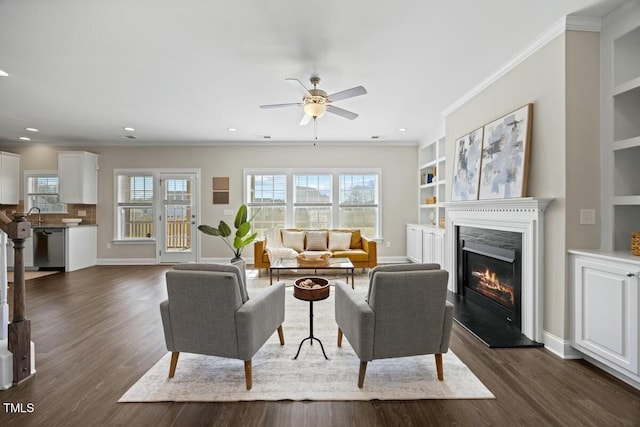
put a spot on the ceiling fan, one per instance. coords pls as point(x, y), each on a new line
point(315, 102)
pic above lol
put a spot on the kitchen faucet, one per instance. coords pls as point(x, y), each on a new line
point(40, 221)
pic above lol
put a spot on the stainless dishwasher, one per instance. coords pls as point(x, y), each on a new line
point(48, 247)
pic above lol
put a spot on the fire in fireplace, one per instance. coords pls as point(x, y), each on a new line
point(490, 273)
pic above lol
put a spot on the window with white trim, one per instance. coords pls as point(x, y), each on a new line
point(359, 202)
point(317, 198)
point(312, 201)
point(42, 192)
point(135, 206)
point(266, 197)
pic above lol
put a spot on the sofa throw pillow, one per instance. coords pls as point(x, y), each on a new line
point(316, 241)
point(339, 241)
point(293, 240)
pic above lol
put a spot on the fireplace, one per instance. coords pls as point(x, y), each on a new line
point(490, 272)
point(523, 218)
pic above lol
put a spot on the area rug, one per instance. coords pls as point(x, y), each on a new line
point(276, 376)
point(28, 275)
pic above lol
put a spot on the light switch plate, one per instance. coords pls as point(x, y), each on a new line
point(587, 216)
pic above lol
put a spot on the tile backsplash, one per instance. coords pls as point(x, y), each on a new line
point(88, 213)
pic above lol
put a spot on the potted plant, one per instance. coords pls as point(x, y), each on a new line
point(242, 237)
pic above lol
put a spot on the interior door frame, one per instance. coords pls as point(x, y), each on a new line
point(160, 215)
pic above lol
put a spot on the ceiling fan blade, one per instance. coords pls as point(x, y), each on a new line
point(298, 86)
point(341, 112)
point(290, 104)
point(349, 93)
point(305, 120)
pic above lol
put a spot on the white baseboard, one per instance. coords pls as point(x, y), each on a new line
point(559, 346)
point(126, 261)
point(153, 261)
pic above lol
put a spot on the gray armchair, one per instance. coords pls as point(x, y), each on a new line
point(404, 314)
point(208, 311)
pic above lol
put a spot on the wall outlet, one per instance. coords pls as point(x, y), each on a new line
point(228, 212)
point(388, 243)
point(587, 216)
point(108, 245)
point(82, 213)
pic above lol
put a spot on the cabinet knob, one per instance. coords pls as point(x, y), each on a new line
point(631, 274)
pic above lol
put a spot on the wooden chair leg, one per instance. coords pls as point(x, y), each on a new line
point(439, 366)
point(174, 363)
point(281, 335)
point(363, 370)
point(247, 373)
point(339, 337)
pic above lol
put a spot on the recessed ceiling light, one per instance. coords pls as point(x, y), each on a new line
point(32, 129)
point(4, 73)
point(129, 129)
point(232, 129)
point(24, 138)
point(402, 130)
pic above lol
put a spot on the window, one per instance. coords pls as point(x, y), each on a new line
point(359, 203)
point(319, 198)
point(42, 192)
point(312, 201)
point(266, 199)
point(135, 213)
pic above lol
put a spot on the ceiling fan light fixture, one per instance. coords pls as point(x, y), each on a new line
point(315, 110)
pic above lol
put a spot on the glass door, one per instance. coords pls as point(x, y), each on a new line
point(178, 218)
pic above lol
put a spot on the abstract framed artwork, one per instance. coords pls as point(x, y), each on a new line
point(505, 155)
point(466, 166)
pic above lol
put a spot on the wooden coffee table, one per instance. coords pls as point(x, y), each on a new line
point(292, 264)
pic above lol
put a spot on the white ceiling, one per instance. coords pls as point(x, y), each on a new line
point(185, 71)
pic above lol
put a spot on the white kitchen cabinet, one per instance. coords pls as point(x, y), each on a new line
point(605, 303)
point(81, 247)
point(78, 177)
point(414, 242)
point(9, 178)
point(27, 253)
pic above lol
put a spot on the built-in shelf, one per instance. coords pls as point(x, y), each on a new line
point(620, 127)
point(432, 161)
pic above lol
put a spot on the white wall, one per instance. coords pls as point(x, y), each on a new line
point(399, 165)
point(562, 81)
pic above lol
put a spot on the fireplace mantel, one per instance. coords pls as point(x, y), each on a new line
point(525, 216)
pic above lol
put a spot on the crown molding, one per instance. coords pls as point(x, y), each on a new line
point(568, 23)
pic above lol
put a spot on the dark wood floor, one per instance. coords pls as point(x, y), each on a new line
point(98, 330)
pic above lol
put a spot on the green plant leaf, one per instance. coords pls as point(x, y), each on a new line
point(207, 229)
point(241, 216)
point(225, 230)
point(240, 242)
point(244, 229)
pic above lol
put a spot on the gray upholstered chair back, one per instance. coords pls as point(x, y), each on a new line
point(409, 311)
point(202, 311)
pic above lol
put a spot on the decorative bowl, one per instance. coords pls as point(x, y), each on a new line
point(71, 221)
point(311, 288)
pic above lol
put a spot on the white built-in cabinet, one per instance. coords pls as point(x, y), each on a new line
point(620, 126)
point(414, 243)
point(9, 178)
point(425, 240)
point(605, 305)
point(425, 244)
point(78, 177)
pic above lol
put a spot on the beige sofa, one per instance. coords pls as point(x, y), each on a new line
point(361, 251)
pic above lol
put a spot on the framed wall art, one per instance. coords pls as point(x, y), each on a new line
point(466, 167)
point(505, 155)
